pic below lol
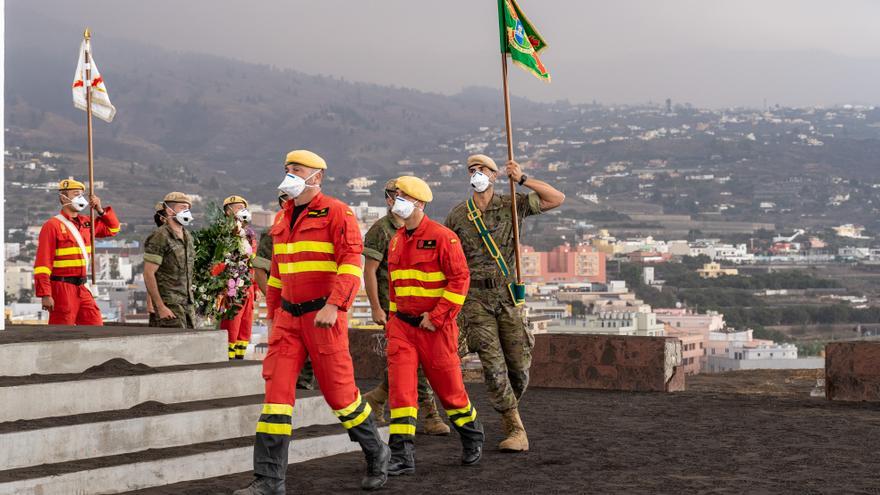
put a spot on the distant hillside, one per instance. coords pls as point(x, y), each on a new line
point(208, 114)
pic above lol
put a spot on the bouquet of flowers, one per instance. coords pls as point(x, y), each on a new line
point(222, 276)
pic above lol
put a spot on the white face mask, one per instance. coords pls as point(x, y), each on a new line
point(403, 208)
point(294, 185)
point(78, 203)
point(244, 215)
point(480, 181)
point(183, 217)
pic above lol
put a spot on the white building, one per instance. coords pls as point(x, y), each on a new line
point(764, 356)
point(639, 323)
point(19, 277)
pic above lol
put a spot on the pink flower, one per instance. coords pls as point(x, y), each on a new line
point(230, 284)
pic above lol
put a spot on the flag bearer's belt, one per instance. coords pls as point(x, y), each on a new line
point(299, 309)
point(69, 280)
point(414, 321)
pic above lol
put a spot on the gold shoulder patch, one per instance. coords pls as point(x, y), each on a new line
point(348, 212)
point(453, 240)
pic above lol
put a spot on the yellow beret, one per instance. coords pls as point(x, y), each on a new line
point(482, 160)
point(160, 206)
point(415, 188)
point(231, 200)
point(305, 158)
point(177, 197)
point(69, 184)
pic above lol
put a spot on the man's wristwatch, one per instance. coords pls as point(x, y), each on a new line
point(523, 179)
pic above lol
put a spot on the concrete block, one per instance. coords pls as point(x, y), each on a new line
point(852, 371)
point(31, 401)
point(108, 438)
point(165, 471)
point(607, 362)
point(60, 354)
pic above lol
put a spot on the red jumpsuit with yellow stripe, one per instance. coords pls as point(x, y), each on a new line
point(428, 273)
point(319, 258)
point(60, 268)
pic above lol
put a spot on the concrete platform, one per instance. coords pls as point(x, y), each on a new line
point(118, 474)
point(40, 397)
point(852, 371)
point(46, 350)
point(31, 443)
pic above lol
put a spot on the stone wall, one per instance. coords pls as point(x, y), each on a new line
point(852, 371)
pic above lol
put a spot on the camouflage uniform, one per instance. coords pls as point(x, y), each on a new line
point(376, 248)
point(263, 261)
point(175, 257)
point(490, 324)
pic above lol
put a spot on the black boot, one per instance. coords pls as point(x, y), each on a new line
point(262, 485)
point(376, 452)
point(403, 455)
point(471, 441)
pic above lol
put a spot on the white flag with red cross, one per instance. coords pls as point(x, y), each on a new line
point(101, 106)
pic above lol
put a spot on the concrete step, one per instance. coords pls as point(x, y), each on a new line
point(147, 426)
point(123, 386)
point(157, 467)
point(30, 350)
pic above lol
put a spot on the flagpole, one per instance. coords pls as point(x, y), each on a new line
point(87, 83)
point(513, 209)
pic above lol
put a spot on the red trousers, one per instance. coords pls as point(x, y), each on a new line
point(294, 338)
point(74, 305)
point(239, 328)
point(437, 353)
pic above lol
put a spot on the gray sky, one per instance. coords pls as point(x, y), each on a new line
point(707, 52)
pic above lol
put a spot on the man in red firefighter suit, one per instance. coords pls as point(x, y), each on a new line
point(314, 277)
point(63, 252)
point(238, 329)
point(429, 280)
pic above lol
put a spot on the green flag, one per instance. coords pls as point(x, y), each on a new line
point(520, 39)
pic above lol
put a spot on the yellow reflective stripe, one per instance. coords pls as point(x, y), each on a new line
point(303, 247)
point(453, 297)
point(395, 429)
point(285, 409)
point(113, 230)
point(359, 419)
point(45, 270)
point(453, 412)
point(466, 419)
point(274, 282)
point(68, 263)
point(346, 269)
point(345, 411)
point(418, 275)
point(71, 250)
point(418, 291)
point(274, 428)
point(405, 412)
point(306, 266)
point(392, 306)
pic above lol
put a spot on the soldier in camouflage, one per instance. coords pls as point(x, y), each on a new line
point(490, 323)
point(377, 286)
point(169, 255)
point(263, 262)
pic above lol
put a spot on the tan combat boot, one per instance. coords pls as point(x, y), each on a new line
point(516, 439)
point(433, 424)
point(377, 398)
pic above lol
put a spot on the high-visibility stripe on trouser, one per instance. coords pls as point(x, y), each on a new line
point(353, 414)
point(272, 440)
point(403, 421)
point(231, 351)
point(240, 349)
point(465, 422)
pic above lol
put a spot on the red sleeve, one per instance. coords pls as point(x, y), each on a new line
point(45, 258)
point(107, 225)
point(273, 290)
point(348, 249)
point(458, 279)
